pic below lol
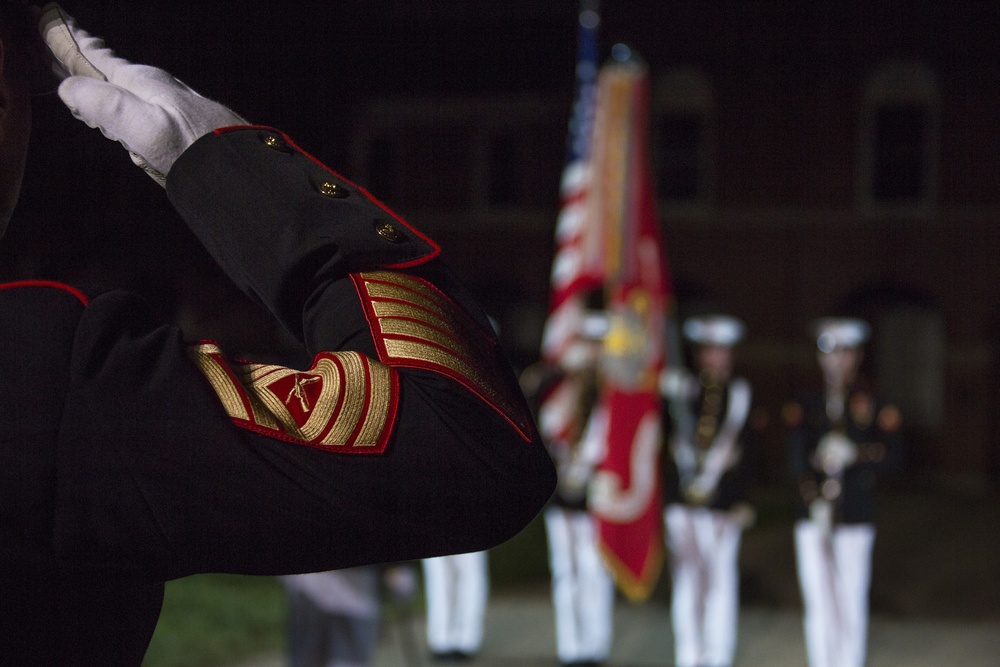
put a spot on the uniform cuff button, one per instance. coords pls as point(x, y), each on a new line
point(275, 142)
point(388, 231)
point(331, 189)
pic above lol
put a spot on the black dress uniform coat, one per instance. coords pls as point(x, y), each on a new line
point(735, 483)
point(871, 424)
point(129, 456)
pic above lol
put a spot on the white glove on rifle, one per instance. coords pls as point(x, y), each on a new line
point(835, 452)
point(152, 114)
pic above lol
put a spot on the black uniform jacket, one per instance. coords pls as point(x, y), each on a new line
point(871, 424)
point(129, 456)
point(734, 484)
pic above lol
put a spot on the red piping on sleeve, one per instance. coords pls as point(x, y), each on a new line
point(48, 283)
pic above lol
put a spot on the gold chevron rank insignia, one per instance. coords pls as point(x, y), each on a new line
point(346, 402)
point(415, 325)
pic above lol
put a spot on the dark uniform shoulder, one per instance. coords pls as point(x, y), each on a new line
point(43, 289)
point(38, 326)
point(38, 320)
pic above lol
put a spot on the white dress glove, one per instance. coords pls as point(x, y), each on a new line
point(152, 114)
point(835, 452)
point(677, 383)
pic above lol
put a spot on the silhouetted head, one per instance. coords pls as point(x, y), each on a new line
point(16, 73)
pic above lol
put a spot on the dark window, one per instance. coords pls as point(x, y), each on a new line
point(680, 166)
point(899, 166)
point(425, 167)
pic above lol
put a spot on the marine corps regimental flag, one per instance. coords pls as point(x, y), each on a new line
point(608, 243)
point(625, 494)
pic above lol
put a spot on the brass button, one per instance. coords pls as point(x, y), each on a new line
point(275, 142)
point(331, 189)
point(388, 231)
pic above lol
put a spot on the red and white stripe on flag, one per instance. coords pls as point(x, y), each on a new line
point(577, 268)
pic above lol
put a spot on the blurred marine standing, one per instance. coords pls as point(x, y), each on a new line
point(456, 587)
point(582, 588)
point(839, 438)
point(706, 482)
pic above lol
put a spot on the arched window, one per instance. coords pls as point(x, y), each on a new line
point(684, 142)
point(900, 126)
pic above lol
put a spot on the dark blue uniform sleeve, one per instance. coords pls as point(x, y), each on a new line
point(407, 438)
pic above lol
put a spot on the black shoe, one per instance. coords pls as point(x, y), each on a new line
point(451, 656)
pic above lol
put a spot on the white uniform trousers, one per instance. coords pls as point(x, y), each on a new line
point(333, 618)
point(583, 592)
point(456, 588)
point(704, 548)
point(835, 577)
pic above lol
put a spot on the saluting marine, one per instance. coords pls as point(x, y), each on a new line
point(838, 440)
point(706, 479)
point(131, 456)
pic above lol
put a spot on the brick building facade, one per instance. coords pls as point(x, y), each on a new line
point(812, 158)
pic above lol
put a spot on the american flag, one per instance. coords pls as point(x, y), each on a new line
point(577, 266)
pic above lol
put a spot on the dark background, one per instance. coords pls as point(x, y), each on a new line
point(454, 112)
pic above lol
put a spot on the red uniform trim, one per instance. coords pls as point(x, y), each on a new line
point(48, 283)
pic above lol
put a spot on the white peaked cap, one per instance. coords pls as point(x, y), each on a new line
point(834, 332)
point(714, 329)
